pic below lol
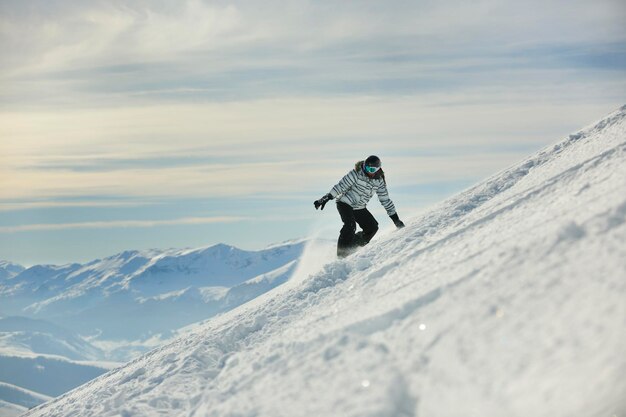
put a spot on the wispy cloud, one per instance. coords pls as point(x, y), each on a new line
point(27, 205)
point(106, 53)
point(104, 104)
point(264, 147)
point(119, 224)
point(80, 34)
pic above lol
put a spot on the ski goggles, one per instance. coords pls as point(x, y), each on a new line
point(371, 170)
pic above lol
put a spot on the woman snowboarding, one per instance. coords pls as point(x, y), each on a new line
point(353, 193)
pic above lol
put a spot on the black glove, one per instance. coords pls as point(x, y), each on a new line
point(322, 201)
point(397, 221)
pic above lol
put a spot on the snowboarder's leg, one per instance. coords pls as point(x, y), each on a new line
point(358, 238)
point(345, 243)
point(368, 223)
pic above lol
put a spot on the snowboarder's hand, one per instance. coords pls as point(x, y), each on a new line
point(319, 204)
point(396, 220)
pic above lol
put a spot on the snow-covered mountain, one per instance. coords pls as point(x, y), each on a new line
point(505, 300)
point(151, 292)
point(39, 359)
point(47, 375)
point(20, 396)
point(124, 304)
point(8, 409)
point(9, 270)
point(22, 335)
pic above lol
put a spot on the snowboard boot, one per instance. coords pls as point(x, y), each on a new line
point(359, 239)
point(342, 252)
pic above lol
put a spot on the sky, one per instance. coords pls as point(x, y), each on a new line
point(158, 124)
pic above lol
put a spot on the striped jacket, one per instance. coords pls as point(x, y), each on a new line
point(356, 189)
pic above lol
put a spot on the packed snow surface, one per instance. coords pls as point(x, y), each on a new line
point(506, 300)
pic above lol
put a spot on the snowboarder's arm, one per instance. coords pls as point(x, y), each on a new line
point(345, 184)
point(383, 197)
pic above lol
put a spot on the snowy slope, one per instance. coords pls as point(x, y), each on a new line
point(506, 300)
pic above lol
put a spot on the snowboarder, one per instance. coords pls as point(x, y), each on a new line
point(354, 192)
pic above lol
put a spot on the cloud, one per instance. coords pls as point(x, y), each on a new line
point(252, 107)
point(228, 99)
point(193, 45)
point(119, 224)
point(26, 205)
point(277, 147)
point(78, 35)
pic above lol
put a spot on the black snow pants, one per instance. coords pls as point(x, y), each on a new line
point(348, 239)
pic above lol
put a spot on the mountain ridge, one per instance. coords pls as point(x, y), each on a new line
point(92, 298)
